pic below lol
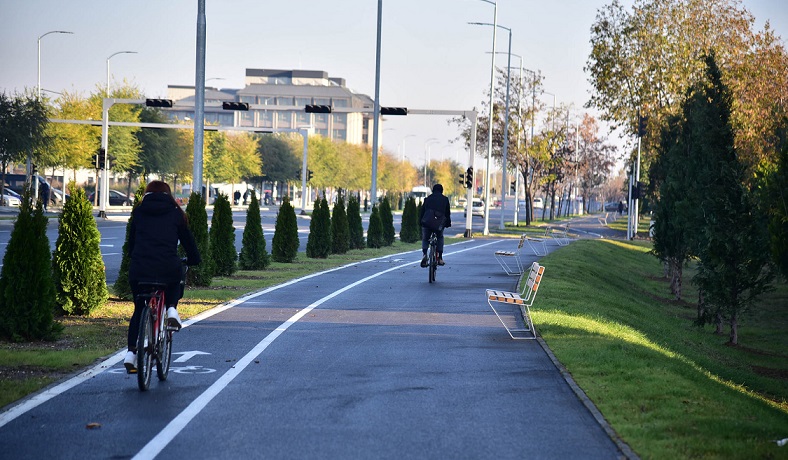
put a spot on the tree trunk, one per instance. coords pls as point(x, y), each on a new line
point(734, 337)
point(701, 306)
point(675, 281)
point(718, 320)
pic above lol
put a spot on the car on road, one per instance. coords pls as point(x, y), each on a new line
point(477, 208)
point(116, 198)
point(10, 198)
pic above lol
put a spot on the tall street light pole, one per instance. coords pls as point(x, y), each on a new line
point(110, 57)
point(376, 110)
point(199, 102)
point(426, 156)
point(402, 145)
point(29, 164)
point(486, 230)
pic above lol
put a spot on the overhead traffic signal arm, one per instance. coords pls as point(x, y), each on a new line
point(244, 106)
point(158, 102)
point(393, 110)
point(312, 108)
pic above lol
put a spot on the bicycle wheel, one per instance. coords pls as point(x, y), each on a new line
point(433, 263)
point(145, 349)
point(164, 350)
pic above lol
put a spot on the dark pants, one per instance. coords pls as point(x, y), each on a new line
point(425, 240)
point(172, 294)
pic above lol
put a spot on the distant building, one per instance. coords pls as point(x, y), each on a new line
point(285, 88)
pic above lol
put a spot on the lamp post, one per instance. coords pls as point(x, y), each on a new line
point(402, 145)
point(110, 57)
point(486, 230)
point(427, 156)
point(505, 160)
point(39, 55)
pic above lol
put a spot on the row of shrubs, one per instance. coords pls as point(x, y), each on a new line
point(36, 284)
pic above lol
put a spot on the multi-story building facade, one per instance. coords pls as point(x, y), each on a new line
point(286, 88)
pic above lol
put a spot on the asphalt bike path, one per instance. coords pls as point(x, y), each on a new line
point(365, 361)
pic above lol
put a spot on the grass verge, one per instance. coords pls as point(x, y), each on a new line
point(670, 389)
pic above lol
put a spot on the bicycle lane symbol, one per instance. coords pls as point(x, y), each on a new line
point(185, 356)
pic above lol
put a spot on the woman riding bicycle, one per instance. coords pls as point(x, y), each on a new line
point(157, 224)
point(440, 204)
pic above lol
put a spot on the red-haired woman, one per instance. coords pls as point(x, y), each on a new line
point(158, 223)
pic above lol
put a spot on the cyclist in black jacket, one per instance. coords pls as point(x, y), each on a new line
point(157, 224)
point(438, 202)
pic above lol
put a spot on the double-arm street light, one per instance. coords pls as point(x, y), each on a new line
point(110, 57)
point(401, 147)
point(486, 230)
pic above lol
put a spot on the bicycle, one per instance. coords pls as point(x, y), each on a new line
point(432, 257)
point(154, 343)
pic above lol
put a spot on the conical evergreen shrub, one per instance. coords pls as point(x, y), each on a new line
point(340, 231)
point(253, 253)
point(387, 220)
point(78, 268)
point(27, 291)
point(375, 229)
point(121, 287)
point(284, 247)
point(222, 236)
point(355, 226)
point(318, 245)
point(409, 230)
point(200, 275)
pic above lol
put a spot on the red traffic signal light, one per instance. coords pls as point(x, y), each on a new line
point(235, 106)
point(158, 102)
point(310, 108)
point(393, 110)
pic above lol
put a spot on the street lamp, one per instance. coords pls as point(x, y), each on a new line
point(486, 230)
point(505, 161)
point(110, 57)
point(39, 54)
point(402, 145)
point(427, 156)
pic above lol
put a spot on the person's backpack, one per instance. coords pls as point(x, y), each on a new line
point(433, 220)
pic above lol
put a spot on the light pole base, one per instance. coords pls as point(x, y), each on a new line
point(102, 214)
point(468, 233)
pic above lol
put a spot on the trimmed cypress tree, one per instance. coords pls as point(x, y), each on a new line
point(78, 268)
point(253, 253)
point(284, 247)
point(318, 245)
point(222, 236)
point(355, 227)
point(387, 220)
point(375, 230)
point(340, 230)
point(409, 230)
point(202, 274)
point(121, 287)
point(27, 291)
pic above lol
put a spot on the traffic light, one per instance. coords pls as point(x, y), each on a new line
point(393, 110)
point(462, 179)
point(158, 102)
point(308, 174)
point(298, 174)
point(102, 159)
point(310, 108)
point(512, 186)
point(637, 190)
point(642, 121)
point(235, 106)
point(469, 178)
point(95, 159)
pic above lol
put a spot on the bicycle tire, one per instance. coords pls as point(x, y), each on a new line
point(164, 352)
point(145, 349)
point(433, 262)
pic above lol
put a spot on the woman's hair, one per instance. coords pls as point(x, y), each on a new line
point(157, 186)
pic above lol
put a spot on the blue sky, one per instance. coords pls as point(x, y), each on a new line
point(430, 58)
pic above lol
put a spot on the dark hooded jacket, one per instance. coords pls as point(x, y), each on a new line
point(438, 202)
point(157, 225)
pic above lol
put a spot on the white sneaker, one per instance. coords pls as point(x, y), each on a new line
point(173, 319)
point(130, 362)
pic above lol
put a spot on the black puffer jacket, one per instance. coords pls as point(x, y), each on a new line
point(157, 225)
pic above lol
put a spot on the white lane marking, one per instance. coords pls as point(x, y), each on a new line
point(166, 435)
point(186, 355)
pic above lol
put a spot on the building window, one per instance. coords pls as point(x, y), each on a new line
point(302, 101)
point(340, 102)
point(265, 100)
point(284, 101)
point(281, 81)
point(246, 118)
point(340, 134)
point(283, 119)
point(247, 99)
point(265, 119)
point(302, 118)
point(340, 120)
point(322, 132)
point(321, 120)
point(322, 101)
